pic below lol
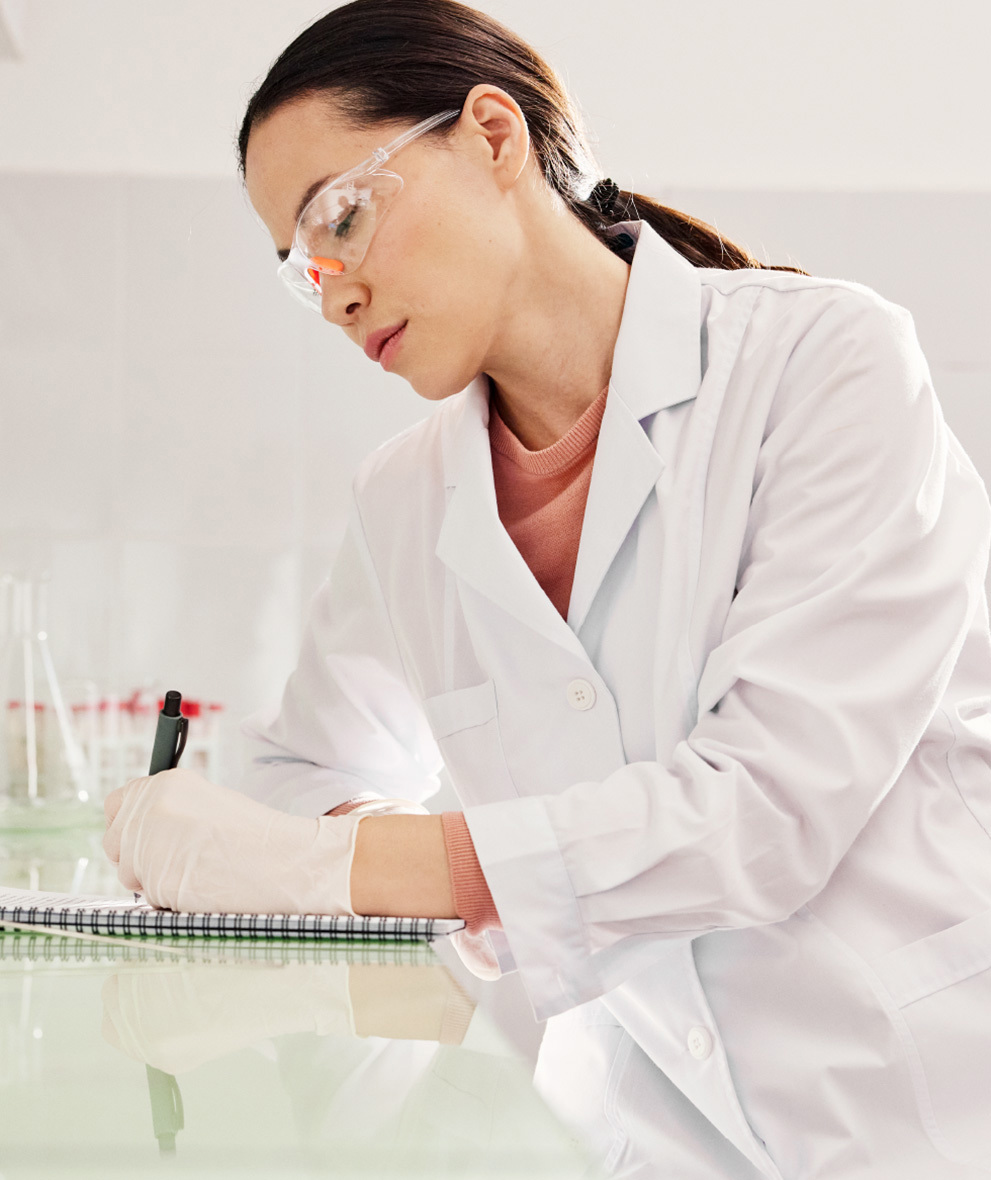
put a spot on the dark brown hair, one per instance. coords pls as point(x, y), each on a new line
point(394, 61)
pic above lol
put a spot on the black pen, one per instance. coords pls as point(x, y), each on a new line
point(170, 738)
point(170, 735)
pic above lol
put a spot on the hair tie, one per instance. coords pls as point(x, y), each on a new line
point(604, 197)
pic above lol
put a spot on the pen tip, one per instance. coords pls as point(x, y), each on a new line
point(172, 703)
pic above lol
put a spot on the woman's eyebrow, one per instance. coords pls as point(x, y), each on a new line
point(304, 200)
point(311, 192)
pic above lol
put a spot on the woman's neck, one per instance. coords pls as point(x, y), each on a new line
point(553, 356)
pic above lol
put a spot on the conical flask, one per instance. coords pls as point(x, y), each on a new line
point(45, 779)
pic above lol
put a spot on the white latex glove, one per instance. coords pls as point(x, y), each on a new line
point(188, 844)
point(477, 954)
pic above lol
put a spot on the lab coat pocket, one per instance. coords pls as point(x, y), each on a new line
point(940, 987)
point(582, 1068)
point(969, 758)
point(465, 725)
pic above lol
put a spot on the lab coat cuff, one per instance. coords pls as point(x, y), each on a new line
point(323, 798)
point(520, 857)
point(299, 787)
point(314, 799)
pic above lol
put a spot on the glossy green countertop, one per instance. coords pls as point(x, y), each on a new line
point(140, 1058)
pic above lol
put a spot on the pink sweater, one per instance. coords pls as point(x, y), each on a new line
point(541, 497)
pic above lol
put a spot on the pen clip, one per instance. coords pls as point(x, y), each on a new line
point(183, 730)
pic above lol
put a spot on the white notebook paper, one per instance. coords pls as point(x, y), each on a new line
point(114, 916)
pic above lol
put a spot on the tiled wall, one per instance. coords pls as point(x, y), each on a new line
point(178, 438)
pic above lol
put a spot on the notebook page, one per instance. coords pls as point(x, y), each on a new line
point(32, 898)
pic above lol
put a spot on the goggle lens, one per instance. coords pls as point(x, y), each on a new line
point(335, 228)
point(334, 232)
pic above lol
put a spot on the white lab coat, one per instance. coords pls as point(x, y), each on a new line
point(741, 799)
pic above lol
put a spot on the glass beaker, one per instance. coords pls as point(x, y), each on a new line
point(45, 779)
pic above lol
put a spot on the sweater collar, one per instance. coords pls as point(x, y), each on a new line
point(559, 455)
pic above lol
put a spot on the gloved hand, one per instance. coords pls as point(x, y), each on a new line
point(477, 954)
point(188, 844)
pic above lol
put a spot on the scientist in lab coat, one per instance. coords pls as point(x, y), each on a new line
point(732, 806)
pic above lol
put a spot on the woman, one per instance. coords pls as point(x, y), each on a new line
point(715, 704)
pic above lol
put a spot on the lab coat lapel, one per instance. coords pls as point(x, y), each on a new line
point(656, 365)
point(473, 543)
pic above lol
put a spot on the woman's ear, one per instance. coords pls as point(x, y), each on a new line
point(498, 130)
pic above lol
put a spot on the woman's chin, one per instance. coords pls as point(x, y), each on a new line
point(435, 387)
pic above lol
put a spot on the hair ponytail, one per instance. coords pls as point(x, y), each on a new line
point(699, 242)
point(389, 61)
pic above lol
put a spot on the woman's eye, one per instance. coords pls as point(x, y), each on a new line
point(348, 223)
point(344, 226)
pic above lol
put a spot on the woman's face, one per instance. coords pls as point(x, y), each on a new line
point(444, 257)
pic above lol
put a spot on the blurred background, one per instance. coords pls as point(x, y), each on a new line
point(178, 438)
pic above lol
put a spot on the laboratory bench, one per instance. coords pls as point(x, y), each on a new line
point(145, 1057)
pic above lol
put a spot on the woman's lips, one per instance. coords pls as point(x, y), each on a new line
point(373, 345)
point(390, 348)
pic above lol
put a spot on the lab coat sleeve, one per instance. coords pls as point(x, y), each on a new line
point(861, 568)
point(348, 723)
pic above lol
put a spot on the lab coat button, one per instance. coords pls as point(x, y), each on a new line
point(700, 1043)
point(581, 695)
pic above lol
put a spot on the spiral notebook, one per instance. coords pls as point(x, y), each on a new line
point(114, 916)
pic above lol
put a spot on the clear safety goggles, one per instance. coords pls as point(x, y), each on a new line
point(336, 225)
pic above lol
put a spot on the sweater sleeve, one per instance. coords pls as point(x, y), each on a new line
point(472, 898)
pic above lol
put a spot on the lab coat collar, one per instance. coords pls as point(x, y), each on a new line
point(473, 543)
point(656, 364)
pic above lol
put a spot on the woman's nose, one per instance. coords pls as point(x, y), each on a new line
point(341, 298)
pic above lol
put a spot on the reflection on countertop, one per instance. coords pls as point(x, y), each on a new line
point(267, 1058)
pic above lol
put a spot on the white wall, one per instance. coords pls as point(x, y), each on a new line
point(178, 438)
point(11, 28)
point(842, 95)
